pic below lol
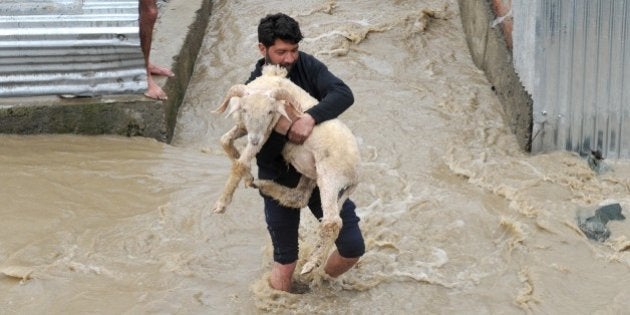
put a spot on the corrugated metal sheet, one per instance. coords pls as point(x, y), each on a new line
point(578, 73)
point(75, 47)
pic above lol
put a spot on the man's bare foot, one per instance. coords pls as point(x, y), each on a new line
point(154, 91)
point(157, 70)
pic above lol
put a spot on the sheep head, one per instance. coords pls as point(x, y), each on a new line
point(259, 112)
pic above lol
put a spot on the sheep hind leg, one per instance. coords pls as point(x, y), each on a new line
point(297, 197)
point(328, 232)
point(329, 227)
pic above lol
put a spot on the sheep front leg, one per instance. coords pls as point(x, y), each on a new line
point(227, 141)
point(329, 227)
point(249, 153)
point(236, 174)
point(240, 169)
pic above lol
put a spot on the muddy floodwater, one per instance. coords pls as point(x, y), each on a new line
point(456, 218)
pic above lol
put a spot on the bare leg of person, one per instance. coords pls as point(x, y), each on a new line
point(338, 265)
point(157, 70)
point(148, 13)
point(282, 276)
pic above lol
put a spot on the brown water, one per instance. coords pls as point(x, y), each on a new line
point(457, 220)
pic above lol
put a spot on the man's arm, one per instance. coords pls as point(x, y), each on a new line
point(335, 97)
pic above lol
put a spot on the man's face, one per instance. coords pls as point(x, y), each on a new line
point(280, 53)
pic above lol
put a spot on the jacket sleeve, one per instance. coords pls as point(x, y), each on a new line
point(335, 95)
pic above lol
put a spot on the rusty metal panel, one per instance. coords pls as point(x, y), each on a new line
point(70, 47)
point(580, 81)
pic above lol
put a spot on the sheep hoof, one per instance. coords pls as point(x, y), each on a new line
point(308, 267)
point(249, 182)
point(259, 184)
point(219, 207)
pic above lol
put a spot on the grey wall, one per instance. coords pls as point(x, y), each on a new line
point(574, 58)
point(490, 53)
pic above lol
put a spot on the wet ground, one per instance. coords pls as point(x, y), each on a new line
point(457, 219)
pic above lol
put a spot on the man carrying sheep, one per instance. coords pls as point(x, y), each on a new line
point(279, 36)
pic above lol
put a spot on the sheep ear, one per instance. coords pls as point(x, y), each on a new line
point(236, 90)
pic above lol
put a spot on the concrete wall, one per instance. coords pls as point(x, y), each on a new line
point(491, 52)
point(123, 116)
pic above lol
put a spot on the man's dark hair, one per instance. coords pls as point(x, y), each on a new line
point(278, 26)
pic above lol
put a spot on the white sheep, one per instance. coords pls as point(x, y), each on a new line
point(273, 77)
point(329, 158)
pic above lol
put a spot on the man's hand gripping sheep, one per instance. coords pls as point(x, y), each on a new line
point(329, 158)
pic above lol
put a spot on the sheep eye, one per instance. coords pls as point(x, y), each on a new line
point(270, 112)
